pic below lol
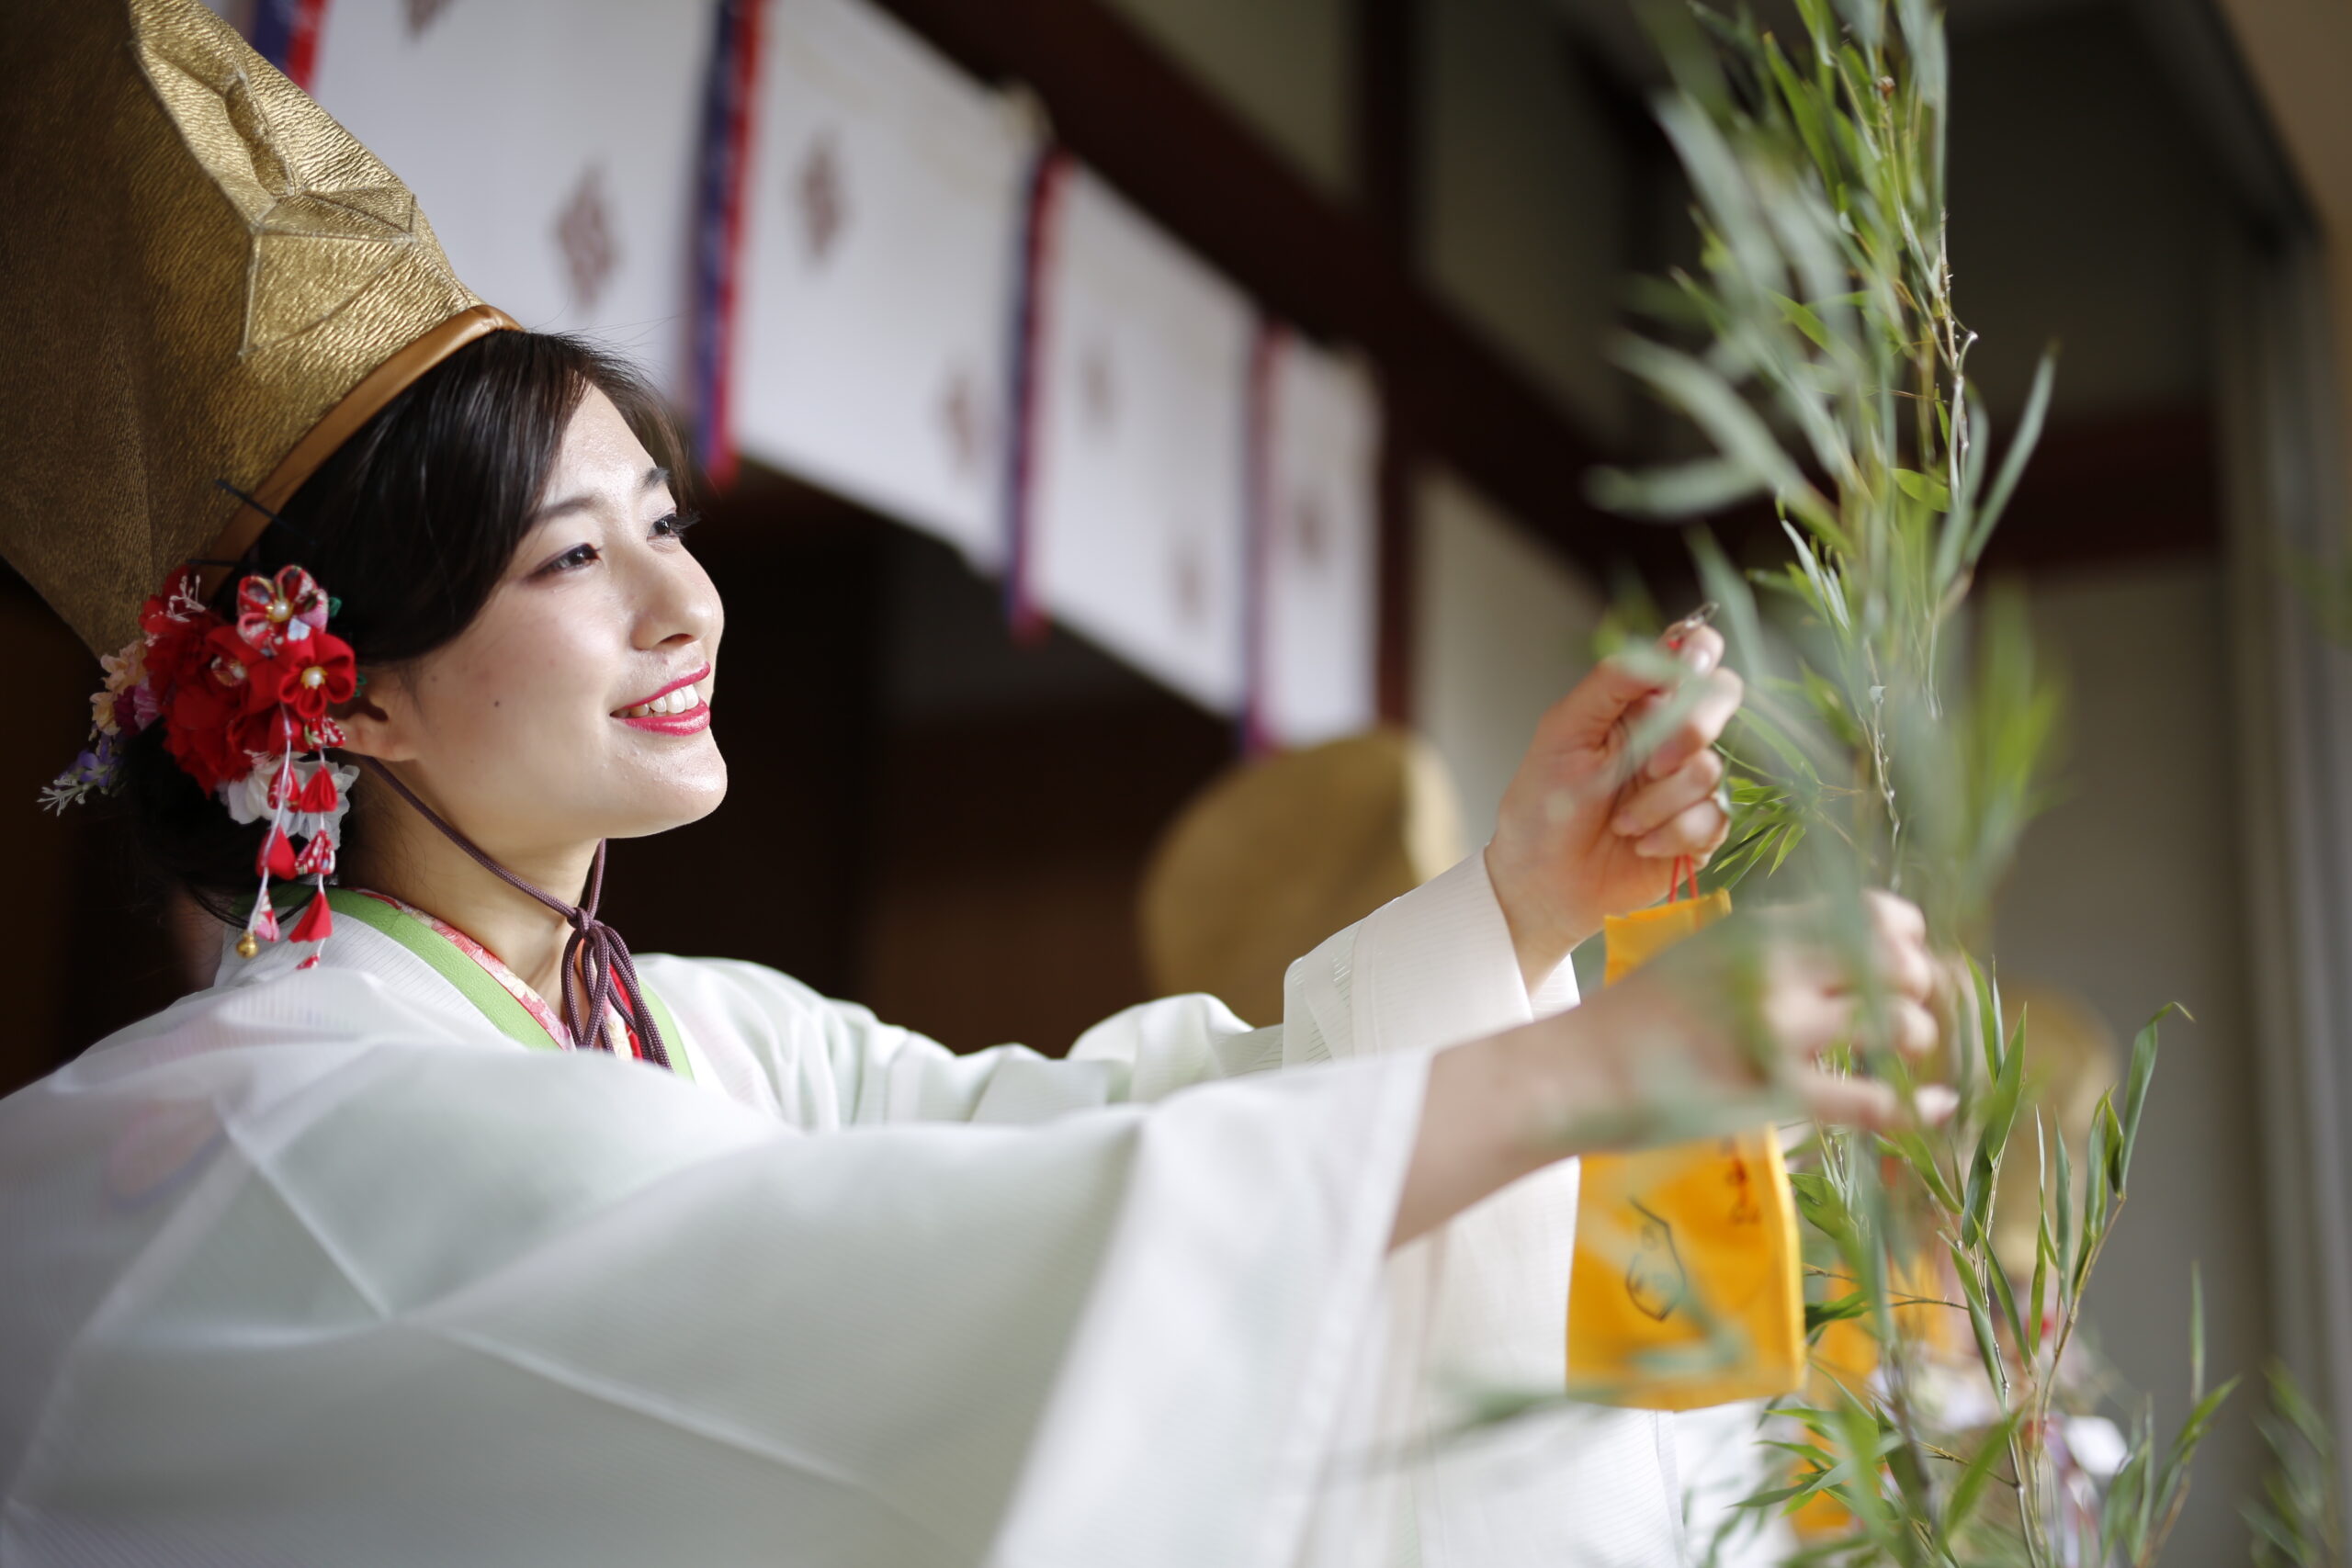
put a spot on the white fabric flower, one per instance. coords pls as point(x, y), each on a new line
point(248, 799)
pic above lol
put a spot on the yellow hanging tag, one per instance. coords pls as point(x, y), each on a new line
point(1687, 1288)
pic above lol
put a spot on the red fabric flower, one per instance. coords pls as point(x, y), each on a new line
point(178, 644)
point(209, 733)
point(235, 668)
point(312, 674)
point(222, 712)
point(222, 699)
point(269, 607)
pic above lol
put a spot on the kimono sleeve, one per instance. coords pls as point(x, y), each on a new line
point(469, 1306)
point(832, 1063)
point(1434, 967)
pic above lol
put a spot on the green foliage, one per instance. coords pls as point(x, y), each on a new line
point(2299, 1520)
point(1897, 734)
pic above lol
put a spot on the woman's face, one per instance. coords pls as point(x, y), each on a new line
point(577, 704)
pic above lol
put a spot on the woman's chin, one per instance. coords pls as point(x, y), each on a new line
point(674, 802)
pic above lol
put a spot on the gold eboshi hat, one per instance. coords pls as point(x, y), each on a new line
point(203, 278)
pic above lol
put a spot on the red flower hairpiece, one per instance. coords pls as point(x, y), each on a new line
point(241, 704)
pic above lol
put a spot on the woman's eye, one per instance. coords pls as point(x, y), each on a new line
point(574, 557)
point(674, 525)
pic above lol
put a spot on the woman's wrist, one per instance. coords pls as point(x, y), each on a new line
point(1543, 934)
point(1500, 1108)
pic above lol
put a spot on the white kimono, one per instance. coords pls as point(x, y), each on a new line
point(322, 1268)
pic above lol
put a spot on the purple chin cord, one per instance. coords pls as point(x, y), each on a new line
point(594, 947)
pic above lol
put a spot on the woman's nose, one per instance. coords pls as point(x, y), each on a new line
point(687, 606)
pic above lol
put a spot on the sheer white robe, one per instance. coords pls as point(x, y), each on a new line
point(320, 1268)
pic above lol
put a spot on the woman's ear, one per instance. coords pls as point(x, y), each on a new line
point(375, 722)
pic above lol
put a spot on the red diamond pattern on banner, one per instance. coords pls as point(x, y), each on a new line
point(1099, 387)
point(1310, 532)
point(967, 422)
point(824, 204)
point(1188, 580)
point(583, 232)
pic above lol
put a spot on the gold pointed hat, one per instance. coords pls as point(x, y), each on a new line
point(202, 277)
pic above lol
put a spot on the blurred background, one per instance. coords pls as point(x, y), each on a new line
point(1096, 393)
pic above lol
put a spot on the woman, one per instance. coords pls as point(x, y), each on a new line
point(382, 1250)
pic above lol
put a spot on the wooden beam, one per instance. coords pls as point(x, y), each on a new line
point(1118, 102)
point(2115, 488)
point(2108, 491)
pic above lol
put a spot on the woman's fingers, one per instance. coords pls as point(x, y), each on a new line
point(1905, 968)
point(1720, 693)
point(1807, 1020)
point(1697, 831)
point(1656, 805)
point(1916, 1030)
point(1848, 1103)
point(1867, 1104)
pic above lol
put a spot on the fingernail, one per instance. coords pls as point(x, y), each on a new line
point(1935, 1103)
point(1704, 659)
point(1625, 825)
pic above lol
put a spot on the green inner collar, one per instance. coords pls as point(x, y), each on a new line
point(492, 1000)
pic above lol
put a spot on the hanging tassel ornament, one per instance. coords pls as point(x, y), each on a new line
point(260, 928)
point(317, 858)
point(317, 793)
point(277, 856)
point(317, 921)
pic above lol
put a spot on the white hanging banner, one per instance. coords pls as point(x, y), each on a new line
point(882, 216)
point(1136, 534)
point(1314, 546)
point(553, 142)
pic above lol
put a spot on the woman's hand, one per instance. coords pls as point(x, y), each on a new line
point(1724, 1031)
point(1590, 829)
point(1745, 1010)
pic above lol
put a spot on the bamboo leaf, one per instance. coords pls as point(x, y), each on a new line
point(1820, 1314)
point(1801, 317)
point(2065, 1236)
point(1980, 1469)
point(1980, 1320)
point(1926, 489)
point(2022, 446)
point(2144, 1071)
point(1678, 490)
point(2006, 1297)
point(2196, 1332)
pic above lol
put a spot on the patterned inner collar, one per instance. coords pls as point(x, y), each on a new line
point(546, 1017)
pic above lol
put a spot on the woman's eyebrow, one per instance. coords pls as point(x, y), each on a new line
point(655, 477)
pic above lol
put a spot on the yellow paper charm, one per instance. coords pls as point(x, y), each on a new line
point(1687, 1288)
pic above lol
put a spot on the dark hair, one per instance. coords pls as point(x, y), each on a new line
point(411, 523)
